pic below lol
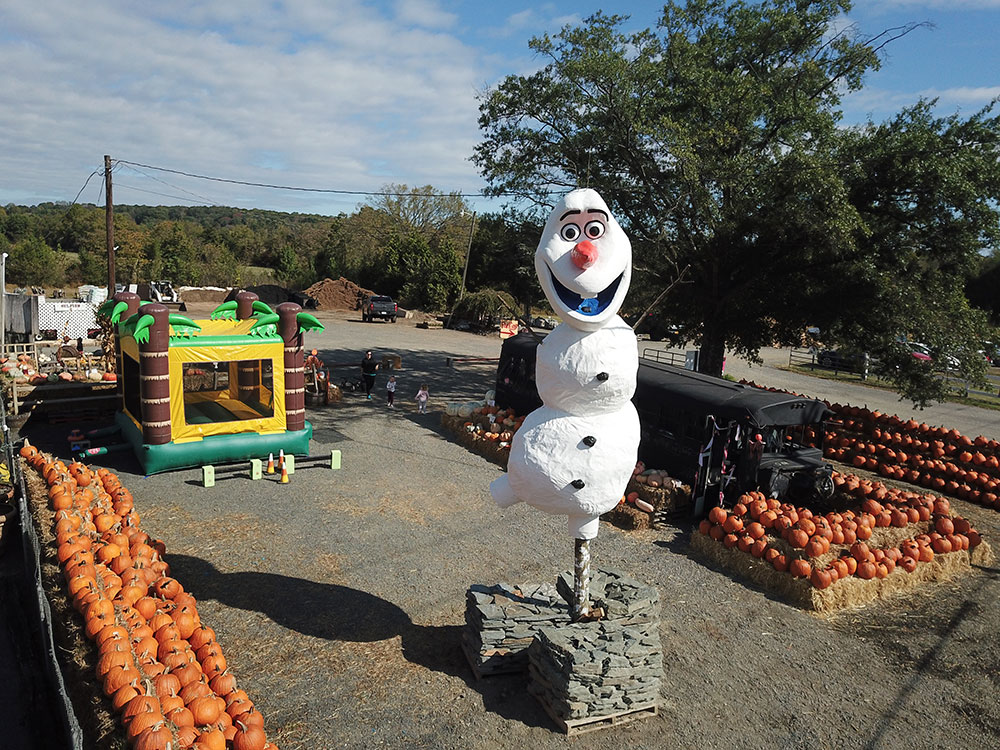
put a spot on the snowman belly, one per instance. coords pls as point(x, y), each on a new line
point(585, 372)
point(548, 454)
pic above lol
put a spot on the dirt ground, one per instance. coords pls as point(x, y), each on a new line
point(339, 598)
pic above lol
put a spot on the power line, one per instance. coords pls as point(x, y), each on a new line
point(165, 195)
point(334, 191)
point(89, 178)
point(175, 187)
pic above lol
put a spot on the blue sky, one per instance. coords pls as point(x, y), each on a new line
point(340, 94)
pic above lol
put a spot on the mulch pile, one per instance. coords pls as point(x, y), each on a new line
point(342, 294)
point(214, 294)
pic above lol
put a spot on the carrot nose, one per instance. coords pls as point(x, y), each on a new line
point(584, 254)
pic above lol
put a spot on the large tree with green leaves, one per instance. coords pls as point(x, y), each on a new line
point(715, 136)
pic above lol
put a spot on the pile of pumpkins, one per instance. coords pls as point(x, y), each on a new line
point(161, 668)
point(492, 423)
point(23, 370)
point(939, 459)
point(825, 548)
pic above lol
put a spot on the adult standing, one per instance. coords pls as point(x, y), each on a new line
point(368, 368)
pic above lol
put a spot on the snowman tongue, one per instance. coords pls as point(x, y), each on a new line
point(589, 305)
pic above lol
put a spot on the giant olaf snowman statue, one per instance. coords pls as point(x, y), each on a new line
point(574, 454)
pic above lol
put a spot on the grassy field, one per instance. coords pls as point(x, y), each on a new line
point(981, 400)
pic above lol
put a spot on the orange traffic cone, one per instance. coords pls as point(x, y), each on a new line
point(281, 458)
point(270, 463)
point(284, 475)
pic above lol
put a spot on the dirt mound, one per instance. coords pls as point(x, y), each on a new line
point(202, 293)
point(341, 294)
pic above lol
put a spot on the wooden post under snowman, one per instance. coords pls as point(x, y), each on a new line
point(574, 455)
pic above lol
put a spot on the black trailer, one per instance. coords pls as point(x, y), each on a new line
point(723, 438)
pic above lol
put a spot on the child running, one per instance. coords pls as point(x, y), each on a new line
point(422, 396)
point(390, 390)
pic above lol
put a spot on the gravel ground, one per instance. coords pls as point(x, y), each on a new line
point(339, 598)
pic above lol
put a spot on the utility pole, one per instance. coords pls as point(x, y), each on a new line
point(109, 225)
point(465, 270)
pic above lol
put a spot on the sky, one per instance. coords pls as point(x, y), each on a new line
point(341, 95)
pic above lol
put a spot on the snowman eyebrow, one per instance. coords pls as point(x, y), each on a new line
point(589, 211)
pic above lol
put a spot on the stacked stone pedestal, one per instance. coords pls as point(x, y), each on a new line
point(587, 675)
point(502, 620)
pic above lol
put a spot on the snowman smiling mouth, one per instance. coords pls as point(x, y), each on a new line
point(586, 305)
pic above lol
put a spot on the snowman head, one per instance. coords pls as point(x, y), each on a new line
point(584, 261)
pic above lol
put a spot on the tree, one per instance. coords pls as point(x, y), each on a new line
point(484, 307)
point(925, 189)
point(419, 273)
point(424, 211)
point(714, 137)
point(502, 257)
point(33, 263)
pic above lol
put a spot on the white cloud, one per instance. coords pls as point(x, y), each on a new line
point(881, 103)
point(973, 95)
point(424, 13)
point(349, 98)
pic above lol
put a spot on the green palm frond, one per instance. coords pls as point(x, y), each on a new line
point(183, 326)
point(112, 309)
point(265, 325)
point(308, 323)
point(226, 310)
point(140, 330)
point(261, 307)
point(128, 325)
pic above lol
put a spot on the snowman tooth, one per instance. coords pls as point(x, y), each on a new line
point(602, 376)
point(589, 441)
point(578, 483)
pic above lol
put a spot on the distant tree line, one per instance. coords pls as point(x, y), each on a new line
point(410, 243)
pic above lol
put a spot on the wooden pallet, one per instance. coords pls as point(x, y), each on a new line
point(586, 724)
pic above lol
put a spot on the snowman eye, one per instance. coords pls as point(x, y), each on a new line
point(594, 229)
point(570, 232)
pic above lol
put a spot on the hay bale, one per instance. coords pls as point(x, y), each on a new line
point(847, 592)
point(626, 516)
point(671, 499)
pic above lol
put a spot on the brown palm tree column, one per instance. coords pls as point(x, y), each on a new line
point(247, 371)
point(132, 300)
point(295, 384)
point(244, 304)
point(154, 376)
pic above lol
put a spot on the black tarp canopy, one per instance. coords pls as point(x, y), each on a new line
point(727, 401)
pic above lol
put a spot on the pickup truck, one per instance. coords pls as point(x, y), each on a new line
point(379, 306)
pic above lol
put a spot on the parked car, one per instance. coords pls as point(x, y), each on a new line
point(379, 306)
point(991, 352)
point(924, 352)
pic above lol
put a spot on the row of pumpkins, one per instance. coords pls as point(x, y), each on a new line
point(941, 460)
point(161, 668)
point(23, 370)
point(825, 548)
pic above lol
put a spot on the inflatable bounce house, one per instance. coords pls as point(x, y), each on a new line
point(210, 391)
